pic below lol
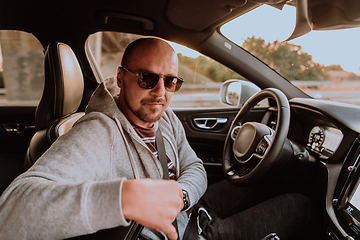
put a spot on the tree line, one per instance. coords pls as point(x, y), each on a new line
point(287, 59)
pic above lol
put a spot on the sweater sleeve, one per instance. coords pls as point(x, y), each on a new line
point(192, 177)
point(69, 191)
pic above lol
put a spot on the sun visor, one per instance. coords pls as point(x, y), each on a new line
point(334, 14)
point(325, 15)
point(195, 15)
point(279, 4)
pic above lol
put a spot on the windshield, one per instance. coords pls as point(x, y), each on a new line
point(323, 64)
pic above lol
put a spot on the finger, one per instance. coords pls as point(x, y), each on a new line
point(170, 232)
point(174, 236)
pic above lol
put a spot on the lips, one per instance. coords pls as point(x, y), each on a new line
point(152, 102)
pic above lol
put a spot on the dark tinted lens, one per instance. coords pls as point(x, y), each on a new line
point(173, 84)
point(149, 80)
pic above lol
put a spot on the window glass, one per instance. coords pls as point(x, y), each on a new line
point(324, 64)
point(202, 76)
point(21, 69)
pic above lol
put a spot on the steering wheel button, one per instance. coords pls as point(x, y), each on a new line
point(261, 147)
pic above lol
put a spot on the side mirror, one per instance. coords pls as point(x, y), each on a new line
point(236, 92)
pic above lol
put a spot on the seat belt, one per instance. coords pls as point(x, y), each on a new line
point(162, 153)
point(163, 160)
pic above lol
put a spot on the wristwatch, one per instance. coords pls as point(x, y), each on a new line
point(186, 200)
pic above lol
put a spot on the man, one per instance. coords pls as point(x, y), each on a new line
point(105, 172)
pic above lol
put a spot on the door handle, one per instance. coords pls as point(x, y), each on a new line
point(17, 128)
point(209, 123)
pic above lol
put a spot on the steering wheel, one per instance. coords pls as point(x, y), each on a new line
point(252, 148)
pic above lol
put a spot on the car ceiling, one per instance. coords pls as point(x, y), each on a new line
point(170, 19)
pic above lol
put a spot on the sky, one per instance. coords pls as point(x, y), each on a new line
point(326, 47)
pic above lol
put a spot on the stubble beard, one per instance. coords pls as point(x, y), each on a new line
point(141, 111)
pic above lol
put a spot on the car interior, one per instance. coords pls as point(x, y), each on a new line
point(313, 146)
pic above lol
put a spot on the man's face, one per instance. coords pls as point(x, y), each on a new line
point(146, 106)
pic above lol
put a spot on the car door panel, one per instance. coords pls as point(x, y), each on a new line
point(208, 142)
point(16, 130)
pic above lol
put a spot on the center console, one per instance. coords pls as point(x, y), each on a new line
point(347, 194)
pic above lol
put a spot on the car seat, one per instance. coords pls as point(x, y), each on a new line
point(57, 110)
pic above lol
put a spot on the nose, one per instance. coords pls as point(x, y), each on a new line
point(159, 89)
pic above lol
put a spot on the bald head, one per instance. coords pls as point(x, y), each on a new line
point(144, 106)
point(142, 46)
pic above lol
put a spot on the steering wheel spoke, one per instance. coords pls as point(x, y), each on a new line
point(263, 146)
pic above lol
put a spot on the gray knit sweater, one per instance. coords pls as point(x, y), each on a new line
point(75, 187)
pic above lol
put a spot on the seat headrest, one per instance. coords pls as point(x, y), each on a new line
point(64, 85)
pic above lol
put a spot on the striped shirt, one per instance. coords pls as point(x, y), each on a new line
point(147, 135)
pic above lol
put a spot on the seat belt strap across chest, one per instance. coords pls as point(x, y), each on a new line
point(162, 153)
point(163, 160)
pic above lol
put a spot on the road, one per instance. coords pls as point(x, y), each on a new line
point(347, 92)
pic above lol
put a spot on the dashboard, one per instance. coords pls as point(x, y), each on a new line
point(312, 129)
point(331, 134)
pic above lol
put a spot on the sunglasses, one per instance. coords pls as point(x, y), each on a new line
point(148, 80)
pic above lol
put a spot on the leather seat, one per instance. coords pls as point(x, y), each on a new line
point(57, 110)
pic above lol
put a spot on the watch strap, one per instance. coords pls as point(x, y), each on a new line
point(186, 200)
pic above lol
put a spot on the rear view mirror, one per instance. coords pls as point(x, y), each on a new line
point(235, 92)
